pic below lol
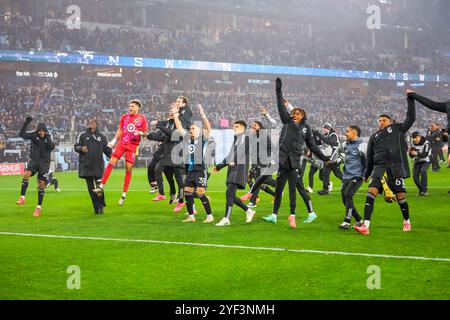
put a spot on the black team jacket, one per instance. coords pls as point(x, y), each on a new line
point(91, 163)
point(40, 147)
point(239, 154)
point(169, 139)
point(292, 138)
point(387, 148)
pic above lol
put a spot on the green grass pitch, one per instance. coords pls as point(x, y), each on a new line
point(36, 267)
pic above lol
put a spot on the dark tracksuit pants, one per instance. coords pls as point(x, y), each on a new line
point(348, 190)
point(435, 157)
point(178, 173)
point(420, 175)
point(98, 201)
point(303, 193)
point(290, 176)
point(232, 198)
point(326, 175)
point(312, 172)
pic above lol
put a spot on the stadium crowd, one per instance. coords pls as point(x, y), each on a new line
point(231, 45)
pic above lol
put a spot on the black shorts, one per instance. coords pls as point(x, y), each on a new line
point(196, 179)
point(41, 168)
point(396, 185)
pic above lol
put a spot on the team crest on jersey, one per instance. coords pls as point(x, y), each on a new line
point(191, 148)
point(355, 152)
point(304, 130)
point(131, 127)
point(136, 121)
point(389, 130)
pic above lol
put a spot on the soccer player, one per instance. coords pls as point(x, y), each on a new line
point(132, 127)
point(294, 133)
point(261, 171)
point(91, 145)
point(41, 148)
point(52, 181)
point(330, 141)
point(386, 152)
point(170, 142)
point(237, 161)
point(420, 152)
point(195, 144)
point(354, 154)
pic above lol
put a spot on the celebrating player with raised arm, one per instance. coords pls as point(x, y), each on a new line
point(132, 126)
point(194, 148)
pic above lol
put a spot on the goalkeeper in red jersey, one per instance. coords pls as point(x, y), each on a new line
point(132, 127)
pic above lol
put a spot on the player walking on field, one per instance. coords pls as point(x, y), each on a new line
point(41, 148)
point(132, 127)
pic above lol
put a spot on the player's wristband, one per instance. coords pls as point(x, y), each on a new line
point(113, 142)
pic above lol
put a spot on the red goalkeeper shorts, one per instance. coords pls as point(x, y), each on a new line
point(128, 149)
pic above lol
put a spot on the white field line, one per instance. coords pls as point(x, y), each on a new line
point(227, 246)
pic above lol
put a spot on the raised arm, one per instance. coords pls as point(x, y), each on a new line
point(433, 105)
point(178, 125)
point(410, 114)
point(23, 131)
point(284, 114)
point(206, 125)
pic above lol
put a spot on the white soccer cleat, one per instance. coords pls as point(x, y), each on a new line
point(209, 219)
point(250, 214)
point(58, 190)
point(190, 218)
point(224, 222)
point(121, 201)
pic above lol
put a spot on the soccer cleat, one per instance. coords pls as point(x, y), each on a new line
point(406, 226)
point(250, 214)
point(21, 201)
point(423, 193)
point(309, 189)
point(58, 190)
point(159, 197)
point(190, 218)
point(153, 189)
point(251, 205)
point(258, 199)
point(173, 198)
point(99, 211)
point(344, 226)
point(323, 192)
point(330, 186)
point(311, 217)
point(37, 212)
point(271, 218)
point(224, 222)
point(246, 196)
point(121, 201)
point(209, 219)
point(362, 229)
point(179, 206)
point(358, 224)
point(291, 220)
